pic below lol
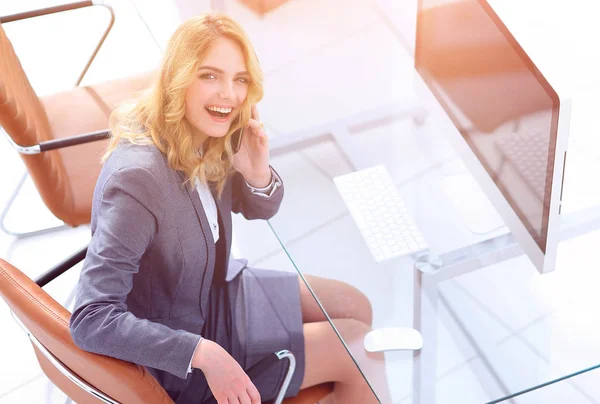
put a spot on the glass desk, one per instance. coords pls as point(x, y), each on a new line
point(338, 98)
point(492, 326)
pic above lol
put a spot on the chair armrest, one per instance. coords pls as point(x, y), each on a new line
point(60, 143)
point(61, 268)
point(264, 364)
point(74, 140)
point(45, 11)
point(60, 9)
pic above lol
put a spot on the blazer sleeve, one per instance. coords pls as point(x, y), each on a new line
point(128, 212)
point(253, 206)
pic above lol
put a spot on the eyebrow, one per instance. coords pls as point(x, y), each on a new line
point(216, 69)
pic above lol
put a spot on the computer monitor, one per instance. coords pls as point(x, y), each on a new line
point(504, 118)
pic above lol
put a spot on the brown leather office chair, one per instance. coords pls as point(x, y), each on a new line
point(86, 377)
point(44, 129)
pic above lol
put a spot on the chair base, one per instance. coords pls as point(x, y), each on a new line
point(9, 205)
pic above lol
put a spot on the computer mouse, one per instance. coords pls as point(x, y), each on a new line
point(393, 339)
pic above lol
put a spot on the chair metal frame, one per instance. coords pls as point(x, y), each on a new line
point(88, 388)
point(62, 368)
point(56, 143)
point(47, 277)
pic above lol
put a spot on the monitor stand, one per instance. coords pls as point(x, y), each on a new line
point(476, 211)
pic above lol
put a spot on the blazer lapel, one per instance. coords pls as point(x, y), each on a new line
point(225, 215)
point(208, 238)
point(193, 194)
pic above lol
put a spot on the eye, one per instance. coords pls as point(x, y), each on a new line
point(208, 76)
point(243, 80)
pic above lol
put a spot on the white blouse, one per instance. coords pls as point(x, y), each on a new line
point(210, 207)
point(212, 214)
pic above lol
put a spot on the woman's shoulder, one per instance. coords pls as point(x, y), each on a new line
point(133, 157)
point(136, 171)
point(135, 167)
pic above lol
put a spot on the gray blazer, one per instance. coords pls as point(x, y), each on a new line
point(145, 282)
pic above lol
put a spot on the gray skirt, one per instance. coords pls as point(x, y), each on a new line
point(252, 316)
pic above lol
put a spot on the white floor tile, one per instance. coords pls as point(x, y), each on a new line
point(522, 369)
point(567, 340)
point(471, 383)
point(300, 213)
point(252, 239)
point(465, 320)
point(299, 30)
point(328, 157)
point(40, 391)
point(518, 295)
point(562, 392)
point(163, 17)
point(587, 384)
point(464, 386)
point(367, 70)
point(35, 255)
point(329, 24)
point(28, 212)
point(19, 363)
point(508, 290)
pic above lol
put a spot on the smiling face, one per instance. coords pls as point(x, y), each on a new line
point(214, 99)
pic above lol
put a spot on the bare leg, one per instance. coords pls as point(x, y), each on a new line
point(327, 360)
point(339, 299)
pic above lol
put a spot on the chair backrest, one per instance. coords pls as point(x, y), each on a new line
point(48, 322)
point(24, 119)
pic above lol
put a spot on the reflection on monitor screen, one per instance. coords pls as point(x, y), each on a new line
point(499, 101)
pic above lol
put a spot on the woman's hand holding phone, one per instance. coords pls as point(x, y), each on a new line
point(252, 159)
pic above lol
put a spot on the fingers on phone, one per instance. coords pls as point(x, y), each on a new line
point(254, 113)
point(256, 127)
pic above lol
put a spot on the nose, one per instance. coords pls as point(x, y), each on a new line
point(227, 91)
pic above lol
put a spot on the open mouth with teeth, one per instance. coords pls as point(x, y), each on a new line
point(218, 112)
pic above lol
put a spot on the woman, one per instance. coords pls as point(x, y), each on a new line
point(157, 286)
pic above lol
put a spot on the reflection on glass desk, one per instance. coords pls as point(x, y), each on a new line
point(483, 317)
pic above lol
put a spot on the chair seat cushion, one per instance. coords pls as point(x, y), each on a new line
point(78, 111)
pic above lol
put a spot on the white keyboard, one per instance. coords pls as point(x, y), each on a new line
point(379, 212)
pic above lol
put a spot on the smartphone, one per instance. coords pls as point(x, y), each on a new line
point(236, 139)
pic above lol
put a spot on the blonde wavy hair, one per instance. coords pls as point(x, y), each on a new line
point(158, 115)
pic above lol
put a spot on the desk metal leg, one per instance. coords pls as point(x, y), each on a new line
point(428, 274)
point(426, 297)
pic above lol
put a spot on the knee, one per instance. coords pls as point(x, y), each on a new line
point(353, 333)
point(361, 307)
point(351, 329)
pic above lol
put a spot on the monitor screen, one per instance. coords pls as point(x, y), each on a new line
point(498, 100)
